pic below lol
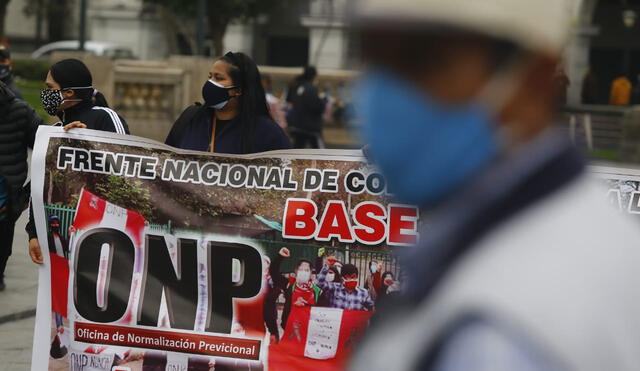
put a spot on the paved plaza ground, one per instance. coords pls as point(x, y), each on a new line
point(17, 306)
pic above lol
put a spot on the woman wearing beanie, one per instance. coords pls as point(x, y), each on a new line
point(71, 96)
point(235, 116)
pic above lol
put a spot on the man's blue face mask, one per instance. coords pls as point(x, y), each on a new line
point(426, 149)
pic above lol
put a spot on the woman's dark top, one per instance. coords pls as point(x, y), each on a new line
point(95, 117)
point(192, 130)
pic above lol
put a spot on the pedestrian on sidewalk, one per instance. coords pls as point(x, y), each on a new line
point(70, 95)
point(235, 116)
point(307, 107)
point(523, 265)
point(18, 126)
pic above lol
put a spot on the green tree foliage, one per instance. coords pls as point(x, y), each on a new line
point(123, 191)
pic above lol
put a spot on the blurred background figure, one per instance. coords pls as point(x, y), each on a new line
point(589, 93)
point(523, 265)
point(275, 105)
point(562, 82)
point(5, 71)
point(620, 91)
point(307, 108)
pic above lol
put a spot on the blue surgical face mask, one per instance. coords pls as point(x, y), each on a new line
point(426, 149)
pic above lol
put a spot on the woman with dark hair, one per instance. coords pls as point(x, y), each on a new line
point(70, 95)
point(235, 116)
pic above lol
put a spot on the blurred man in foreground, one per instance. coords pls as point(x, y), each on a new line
point(523, 266)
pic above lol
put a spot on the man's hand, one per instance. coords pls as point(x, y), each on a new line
point(284, 252)
point(35, 252)
point(300, 302)
point(331, 260)
point(75, 124)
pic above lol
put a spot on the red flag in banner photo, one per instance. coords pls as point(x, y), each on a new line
point(59, 283)
point(93, 210)
point(318, 338)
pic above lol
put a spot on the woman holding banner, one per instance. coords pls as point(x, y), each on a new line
point(235, 116)
point(70, 95)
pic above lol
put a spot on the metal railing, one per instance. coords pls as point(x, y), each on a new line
point(595, 127)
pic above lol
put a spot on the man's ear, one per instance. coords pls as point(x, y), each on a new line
point(235, 92)
point(68, 94)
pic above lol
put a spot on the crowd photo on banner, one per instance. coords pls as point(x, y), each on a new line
point(432, 209)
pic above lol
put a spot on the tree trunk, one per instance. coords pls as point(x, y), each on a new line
point(3, 15)
point(218, 41)
point(168, 28)
point(57, 19)
point(217, 27)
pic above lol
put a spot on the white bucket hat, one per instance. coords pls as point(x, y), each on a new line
point(541, 25)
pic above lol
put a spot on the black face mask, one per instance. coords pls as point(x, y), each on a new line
point(55, 228)
point(215, 95)
point(5, 73)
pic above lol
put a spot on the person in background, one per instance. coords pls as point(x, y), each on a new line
point(58, 245)
point(333, 275)
point(307, 106)
point(6, 67)
point(389, 287)
point(301, 292)
point(589, 93)
point(374, 281)
point(523, 265)
point(235, 116)
point(635, 92)
point(620, 91)
point(275, 107)
point(18, 126)
point(70, 95)
point(346, 294)
point(562, 85)
point(270, 311)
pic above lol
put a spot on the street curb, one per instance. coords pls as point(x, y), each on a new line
point(18, 315)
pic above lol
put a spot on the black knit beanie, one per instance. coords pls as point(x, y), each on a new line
point(72, 73)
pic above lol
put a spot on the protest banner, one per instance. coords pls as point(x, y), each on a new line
point(166, 259)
